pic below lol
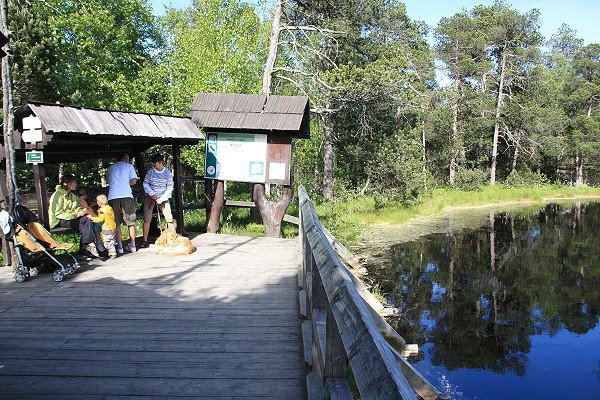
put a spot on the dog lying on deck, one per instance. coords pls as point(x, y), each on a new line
point(170, 244)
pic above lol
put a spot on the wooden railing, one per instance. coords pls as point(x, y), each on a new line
point(343, 330)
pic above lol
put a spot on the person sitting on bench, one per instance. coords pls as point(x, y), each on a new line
point(66, 212)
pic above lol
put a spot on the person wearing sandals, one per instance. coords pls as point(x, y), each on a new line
point(158, 187)
point(121, 177)
point(65, 211)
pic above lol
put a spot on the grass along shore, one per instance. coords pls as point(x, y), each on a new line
point(347, 220)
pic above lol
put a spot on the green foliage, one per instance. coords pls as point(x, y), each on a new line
point(397, 168)
point(470, 179)
point(525, 178)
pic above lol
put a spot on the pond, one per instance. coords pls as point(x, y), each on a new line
point(507, 310)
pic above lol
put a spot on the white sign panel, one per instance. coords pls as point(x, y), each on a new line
point(236, 157)
point(32, 130)
point(277, 171)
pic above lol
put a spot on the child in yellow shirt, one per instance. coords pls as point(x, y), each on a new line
point(106, 217)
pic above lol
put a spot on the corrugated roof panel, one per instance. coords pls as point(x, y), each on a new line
point(275, 104)
point(141, 125)
point(216, 111)
point(121, 118)
point(102, 123)
point(286, 104)
point(57, 118)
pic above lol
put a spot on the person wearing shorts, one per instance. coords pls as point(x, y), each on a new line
point(158, 187)
point(121, 177)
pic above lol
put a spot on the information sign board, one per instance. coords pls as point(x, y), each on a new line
point(34, 157)
point(240, 157)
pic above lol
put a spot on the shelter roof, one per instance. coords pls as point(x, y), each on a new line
point(58, 118)
point(251, 113)
point(72, 133)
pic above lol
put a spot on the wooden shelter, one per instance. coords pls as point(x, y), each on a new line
point(279, 118)
point(75, 134)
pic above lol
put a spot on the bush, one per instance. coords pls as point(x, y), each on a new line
point(526, 178)
point(470, 179)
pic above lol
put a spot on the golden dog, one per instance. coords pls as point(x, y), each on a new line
point(170, 244)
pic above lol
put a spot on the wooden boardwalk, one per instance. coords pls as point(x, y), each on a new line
point(220, 323)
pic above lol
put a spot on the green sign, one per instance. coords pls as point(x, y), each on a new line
point(34, 157)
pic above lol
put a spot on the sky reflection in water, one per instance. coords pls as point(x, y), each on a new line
point(505, 311)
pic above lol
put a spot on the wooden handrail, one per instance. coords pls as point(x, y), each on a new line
point(344, 330)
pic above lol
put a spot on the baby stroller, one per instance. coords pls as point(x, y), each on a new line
point(34, 246)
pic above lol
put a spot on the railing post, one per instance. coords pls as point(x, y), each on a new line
point(308, 262)
point(319, 297)
point(335, 355)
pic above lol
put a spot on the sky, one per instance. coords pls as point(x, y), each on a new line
point(581, 15)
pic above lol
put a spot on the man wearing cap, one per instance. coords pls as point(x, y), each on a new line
point(158, 186)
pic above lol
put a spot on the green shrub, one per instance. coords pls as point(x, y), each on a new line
point(526, 177)
point(470, 179)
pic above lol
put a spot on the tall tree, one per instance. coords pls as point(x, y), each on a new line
point(585, 100)
point(513, 45)
point(363, 59)
point(37, 63)
point(461, 45)
point(8, 108)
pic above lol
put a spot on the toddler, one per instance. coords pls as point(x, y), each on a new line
point(106, 216)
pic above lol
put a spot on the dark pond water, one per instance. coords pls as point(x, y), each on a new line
point(505, 311)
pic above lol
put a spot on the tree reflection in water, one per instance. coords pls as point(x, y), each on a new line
point(478, 296)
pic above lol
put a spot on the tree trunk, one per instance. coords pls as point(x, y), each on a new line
point(499, 105)
point(275, 29)
point(515, 157)
point(328, 154)
point(424, 151)
point(454, 144)
point(272, 212)
point(579, 173)
point(8, 109)
point(578, 169)
point(216, 207)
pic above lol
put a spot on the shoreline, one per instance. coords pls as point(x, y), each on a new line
point(466, 207)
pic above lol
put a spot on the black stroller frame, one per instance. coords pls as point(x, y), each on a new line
point(23, 263)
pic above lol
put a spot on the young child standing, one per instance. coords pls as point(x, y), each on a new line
point(106, 217)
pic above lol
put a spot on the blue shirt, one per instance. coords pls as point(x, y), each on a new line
point(119, 176)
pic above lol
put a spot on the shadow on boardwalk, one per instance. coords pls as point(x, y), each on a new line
point(220, 323)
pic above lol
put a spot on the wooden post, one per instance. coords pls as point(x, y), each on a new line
point(41, 192)
point(139, 164)
point(217, 206)
point(209, 197)
point(309, 269)
point(335, 355)
point(319, 297)
point(177, 188)
point(272, 212)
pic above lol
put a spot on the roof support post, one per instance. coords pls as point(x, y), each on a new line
point(209, 197)
point(139, 164)
point(41, 192)
point(213, 224)
point(177, 188)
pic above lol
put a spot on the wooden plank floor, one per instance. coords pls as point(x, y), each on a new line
point(220, 323)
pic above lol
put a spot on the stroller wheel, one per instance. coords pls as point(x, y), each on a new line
point(58, 276)
point(20, 276)
point(71, 269)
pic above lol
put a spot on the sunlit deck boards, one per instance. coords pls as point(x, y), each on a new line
point(220, 323)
